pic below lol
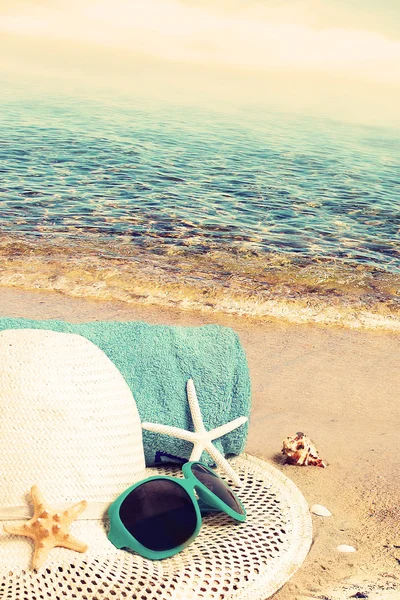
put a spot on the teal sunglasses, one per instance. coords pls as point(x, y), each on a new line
point(159, 516)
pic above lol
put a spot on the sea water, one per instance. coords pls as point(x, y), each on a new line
point(243, 211)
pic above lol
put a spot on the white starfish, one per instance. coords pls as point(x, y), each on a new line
point(200, 438)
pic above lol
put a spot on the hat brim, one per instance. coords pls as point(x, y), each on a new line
point(227, 559)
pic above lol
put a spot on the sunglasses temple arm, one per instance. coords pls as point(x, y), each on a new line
point(206, 508)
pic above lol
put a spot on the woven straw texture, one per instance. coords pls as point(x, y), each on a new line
point(69, 424)
point(228, 560)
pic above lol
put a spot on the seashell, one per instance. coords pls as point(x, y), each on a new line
point(344, 548)
point(321, 511)
point(300, 450)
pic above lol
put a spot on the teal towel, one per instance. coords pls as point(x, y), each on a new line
point(156, 362)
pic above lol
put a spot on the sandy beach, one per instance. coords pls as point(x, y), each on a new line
point(337, 385)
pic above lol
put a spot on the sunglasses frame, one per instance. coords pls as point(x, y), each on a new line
point(120, 537)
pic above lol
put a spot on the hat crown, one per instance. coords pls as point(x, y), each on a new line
point(68, 420)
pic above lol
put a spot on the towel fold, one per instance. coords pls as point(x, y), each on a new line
point(156, 362)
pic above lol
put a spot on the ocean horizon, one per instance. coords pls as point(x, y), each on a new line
point(250, 212)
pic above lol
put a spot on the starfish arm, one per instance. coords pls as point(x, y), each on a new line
point(197, 450)
point(73, 544)
point(223, 463)
point(182, 434)
point(194, 407)
point(18, 530)
point(38, 501)
point(74, 511)
point(227, 427)
point(40, 554)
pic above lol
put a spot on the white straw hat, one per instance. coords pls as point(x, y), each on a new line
point(69, 424)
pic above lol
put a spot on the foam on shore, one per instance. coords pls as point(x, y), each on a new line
point(239, 282)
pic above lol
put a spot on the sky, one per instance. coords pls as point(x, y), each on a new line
point(339, 58)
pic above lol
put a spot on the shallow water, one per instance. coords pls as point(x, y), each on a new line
point(248, 212)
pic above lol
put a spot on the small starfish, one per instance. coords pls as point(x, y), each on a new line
point(200, 438)
point(48, 528)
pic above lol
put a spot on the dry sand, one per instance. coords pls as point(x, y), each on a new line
point(339, 386)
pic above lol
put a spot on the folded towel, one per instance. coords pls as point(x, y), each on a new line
point(157, 361)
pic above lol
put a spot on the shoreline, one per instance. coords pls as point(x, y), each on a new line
point(135, 290)
point(340, 387)
point(238, 283)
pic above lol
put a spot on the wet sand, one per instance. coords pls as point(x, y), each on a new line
point(339, 386)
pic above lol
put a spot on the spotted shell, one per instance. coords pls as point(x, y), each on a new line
point(300, 450)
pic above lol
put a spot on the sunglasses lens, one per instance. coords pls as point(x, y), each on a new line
point(217, 486)
point(159, 514)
